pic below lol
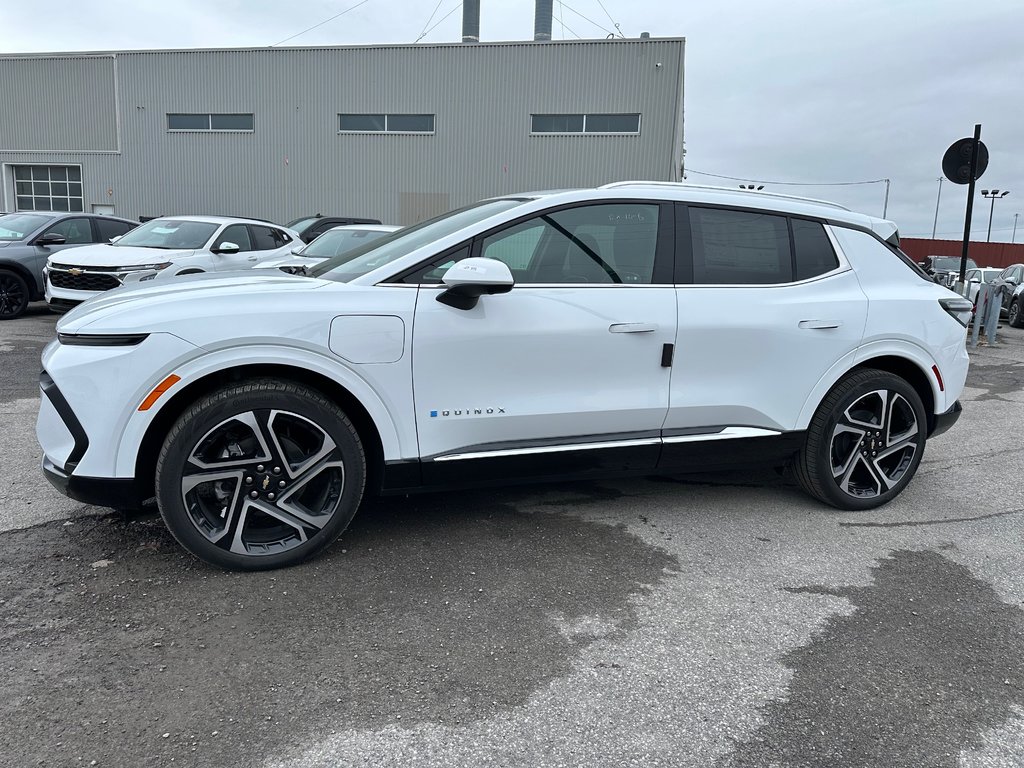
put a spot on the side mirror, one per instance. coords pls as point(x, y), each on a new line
point(226, 248)
point(115, 238)
point(470, 279)
point(922, 264)
point(51, 238)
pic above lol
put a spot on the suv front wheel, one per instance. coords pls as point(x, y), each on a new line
point(13, 295)
point(865, 441)
point(259, 475)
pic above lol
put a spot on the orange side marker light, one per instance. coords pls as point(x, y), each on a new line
point(162, 387)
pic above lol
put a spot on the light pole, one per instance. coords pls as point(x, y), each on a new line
point(1013, 239)
point(993, 195)
point(938, 197)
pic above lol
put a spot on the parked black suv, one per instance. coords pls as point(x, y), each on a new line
point(944, 269)
point(311, 227)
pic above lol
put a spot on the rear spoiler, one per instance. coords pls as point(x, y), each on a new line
point(886, 230)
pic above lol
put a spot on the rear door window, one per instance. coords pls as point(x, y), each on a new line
point(732, 247)
point(108, 228)
point(267, 238)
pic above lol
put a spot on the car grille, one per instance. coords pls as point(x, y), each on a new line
point(87, 281)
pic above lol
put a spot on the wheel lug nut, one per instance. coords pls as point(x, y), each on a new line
point(248, 480)
point(253, 495)
point(280, 484)
point(259, 468)
point(271, 496)
point(277, 470)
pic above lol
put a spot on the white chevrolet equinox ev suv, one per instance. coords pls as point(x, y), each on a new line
point(641, 327)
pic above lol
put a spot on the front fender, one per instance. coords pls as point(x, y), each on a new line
point(396, 442)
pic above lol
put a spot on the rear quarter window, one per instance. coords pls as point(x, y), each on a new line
point(812, 250)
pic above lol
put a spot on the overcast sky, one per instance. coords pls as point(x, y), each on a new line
point(786, 90)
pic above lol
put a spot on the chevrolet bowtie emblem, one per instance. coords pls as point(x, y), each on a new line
point(75, 271)
point(266, 483)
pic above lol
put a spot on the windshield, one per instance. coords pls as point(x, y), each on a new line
point(169, 234)
point(14, 226)
point(383, 251)
point(336, 242)
point(300, 224)
point(953, 264)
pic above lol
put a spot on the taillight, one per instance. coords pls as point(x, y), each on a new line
point(960, 309)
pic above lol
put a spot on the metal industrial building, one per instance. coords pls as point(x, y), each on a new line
point(395, 132)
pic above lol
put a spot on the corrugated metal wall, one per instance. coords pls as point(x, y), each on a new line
point(296, 163)
point(58, 103)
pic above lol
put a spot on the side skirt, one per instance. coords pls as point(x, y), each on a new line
point(697, 453)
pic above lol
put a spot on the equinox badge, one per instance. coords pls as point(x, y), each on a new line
point(467, 412)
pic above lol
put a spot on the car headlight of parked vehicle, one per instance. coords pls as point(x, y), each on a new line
point(139, 273)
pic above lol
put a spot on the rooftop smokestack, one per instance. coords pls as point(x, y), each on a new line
point(471, 21)
point(542, 20)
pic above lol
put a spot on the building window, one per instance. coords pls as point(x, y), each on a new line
point(211, 122)
point(363, 123)
point(587, 123)
point(48, 187)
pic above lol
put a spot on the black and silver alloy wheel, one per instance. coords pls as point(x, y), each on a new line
point(13, 295)
point(1014, 316)
point(874, 443)
point(261, 475)
point(864, 442)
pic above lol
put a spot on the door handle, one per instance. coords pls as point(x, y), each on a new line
point(819, 324)
point(633, 327)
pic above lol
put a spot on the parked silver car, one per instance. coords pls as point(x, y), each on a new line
point(27, 239)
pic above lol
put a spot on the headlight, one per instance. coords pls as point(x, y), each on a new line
point(134, 267)
point(102, 340)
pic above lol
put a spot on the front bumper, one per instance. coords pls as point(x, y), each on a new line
point(115, 492)
point(944, 421)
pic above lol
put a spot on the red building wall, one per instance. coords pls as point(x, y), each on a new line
point(984, 254)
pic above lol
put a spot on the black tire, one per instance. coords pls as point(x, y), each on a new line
point(258, 439)
point(1015, 315)
point(872, 467)
point(14, 295)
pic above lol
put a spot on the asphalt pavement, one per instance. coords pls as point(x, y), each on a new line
point(715, 620)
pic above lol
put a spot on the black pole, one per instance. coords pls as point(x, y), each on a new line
point(970, 202)
point(991, 210)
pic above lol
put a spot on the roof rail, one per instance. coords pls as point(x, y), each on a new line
point(681, 185)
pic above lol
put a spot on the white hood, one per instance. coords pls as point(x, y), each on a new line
point(116, 256)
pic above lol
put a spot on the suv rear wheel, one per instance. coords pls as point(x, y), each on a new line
point(865, 441)
point(1015, 315)
point(259, 475)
